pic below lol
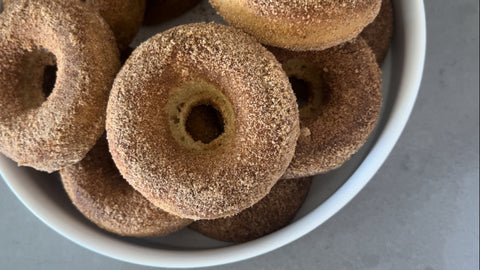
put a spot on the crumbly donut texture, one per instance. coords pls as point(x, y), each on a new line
point(345, 82)
point(123, 16)
point(379, 33)
point(100, 193)
point(51, 133)
point(270, 214)
point(299, 25)
point(165, 79)
point(158, 11)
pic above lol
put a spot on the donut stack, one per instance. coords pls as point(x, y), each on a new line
point(221, 127)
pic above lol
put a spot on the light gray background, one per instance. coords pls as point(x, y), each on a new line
point(420, 211)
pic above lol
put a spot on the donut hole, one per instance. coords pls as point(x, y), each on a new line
point(37, 77)
point(201, 118)
point(204, 123)
point(49, 78)
point(308, 85)
point(302, 90)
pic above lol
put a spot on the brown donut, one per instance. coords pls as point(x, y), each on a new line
point(52, 133)
point(299, 25)
point(339, 94)
point(123, 16)
point(178, 74)
point(158, 11)
point(379, 33)
point(270, 214)
point(100, 193)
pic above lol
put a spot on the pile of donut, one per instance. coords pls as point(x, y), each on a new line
point(216, 127)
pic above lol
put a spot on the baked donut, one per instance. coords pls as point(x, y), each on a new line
point(270, 214)
point(123, 16)
point(172, 79)
point(35, 36)
point(339, 95)
point(379, 33)
point(299, 25)
point(158, 11)
point(99, 192)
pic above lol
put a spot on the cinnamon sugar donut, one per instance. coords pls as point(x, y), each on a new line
point(178, 74)
point(339, 93)
point(299, 25)
point(51, 133)
point(123, 16)
point(270, 214)
point(379, 33)
point(99, 192)
point(158, 11)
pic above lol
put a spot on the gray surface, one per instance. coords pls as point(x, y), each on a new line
point(420, 211)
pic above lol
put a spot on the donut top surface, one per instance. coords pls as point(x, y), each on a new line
point(309, 11)
point(173, 74)
point(124, 17)
point(299, 24)
point(52, 132)
point(98, 190)
point(379, 33)
point(273, 212)
point(344, 99)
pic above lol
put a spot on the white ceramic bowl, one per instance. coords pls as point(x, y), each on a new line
point(44, 196)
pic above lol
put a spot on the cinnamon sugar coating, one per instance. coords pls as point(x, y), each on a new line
point(270, 214)
point(299, 24)
point(378, 34)
point(351, 100)
point(237, 76)
point(123, 16)
point(100, 193)
point(49, 134)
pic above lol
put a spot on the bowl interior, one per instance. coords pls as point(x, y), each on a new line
point(43, 193)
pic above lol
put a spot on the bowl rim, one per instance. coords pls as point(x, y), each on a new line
point(414, 30)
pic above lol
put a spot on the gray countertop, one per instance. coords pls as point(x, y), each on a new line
point(420, 211)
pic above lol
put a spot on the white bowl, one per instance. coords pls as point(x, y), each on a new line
point(44, 196)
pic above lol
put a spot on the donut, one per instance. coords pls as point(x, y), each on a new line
point(272, 213)
point(339, 97)
point(99, 192)
point(179, 75)
point(123, 16)
point(37, 37)
point(299, 25)
point(158, 11)
point(379, 33)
